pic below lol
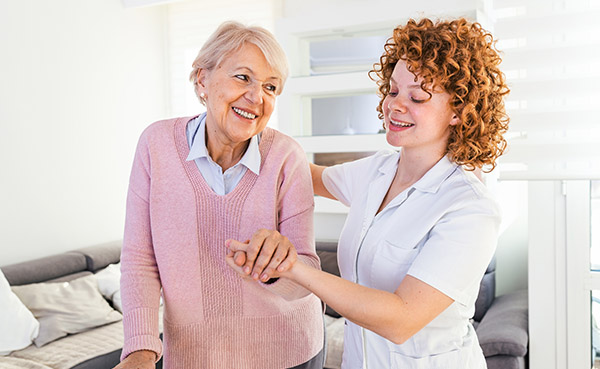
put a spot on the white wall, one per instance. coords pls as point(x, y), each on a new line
point(79, 80)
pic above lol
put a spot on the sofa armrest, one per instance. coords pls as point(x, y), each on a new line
point(329, 265)
point(504, 329)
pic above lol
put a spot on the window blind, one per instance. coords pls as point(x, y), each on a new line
point(552, 63)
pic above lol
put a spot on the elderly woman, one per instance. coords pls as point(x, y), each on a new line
point(421, 228)
point(197, 181)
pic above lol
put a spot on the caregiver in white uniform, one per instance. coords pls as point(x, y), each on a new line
point(421, 228)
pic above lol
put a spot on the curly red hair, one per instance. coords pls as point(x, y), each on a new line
point(460, 57)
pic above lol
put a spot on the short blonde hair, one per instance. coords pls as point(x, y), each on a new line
point(231, 36)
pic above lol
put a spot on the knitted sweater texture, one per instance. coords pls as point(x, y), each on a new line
point(175, 233)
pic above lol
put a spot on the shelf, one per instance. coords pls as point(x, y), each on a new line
point(331, 84)
point(343, 143)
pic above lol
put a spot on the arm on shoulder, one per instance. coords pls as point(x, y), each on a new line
point(316, 172)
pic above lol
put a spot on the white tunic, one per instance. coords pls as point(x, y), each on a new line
point(441, 230)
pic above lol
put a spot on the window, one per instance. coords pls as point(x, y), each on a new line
point(552, 62)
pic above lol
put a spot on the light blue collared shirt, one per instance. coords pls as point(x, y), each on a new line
point(221, 183)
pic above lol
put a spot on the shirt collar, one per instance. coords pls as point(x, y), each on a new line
point(432, 180)
point(197, 142)
point(390, 165)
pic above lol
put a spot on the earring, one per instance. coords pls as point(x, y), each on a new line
point(202, 95)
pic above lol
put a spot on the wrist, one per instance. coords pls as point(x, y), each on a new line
point(146, 355)
point(294, 270)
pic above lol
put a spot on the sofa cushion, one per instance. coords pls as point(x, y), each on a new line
point(329, 265)
point(101, 361)
point(487, 292)
point(18, 363)
point(504, 328)
point(66, 308)
point(505, 362)
point(74, 349)
point(19, 326)
point(70, 277)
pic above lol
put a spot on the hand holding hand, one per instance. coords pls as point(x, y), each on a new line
point(265, 256)
point(237, 259)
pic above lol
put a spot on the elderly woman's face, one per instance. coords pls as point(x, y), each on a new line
point(240, 95)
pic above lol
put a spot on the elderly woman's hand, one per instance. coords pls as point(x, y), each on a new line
point(237, 259)
point(142, 359)
point(265, 256)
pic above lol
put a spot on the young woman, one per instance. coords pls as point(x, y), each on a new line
point(421, 228)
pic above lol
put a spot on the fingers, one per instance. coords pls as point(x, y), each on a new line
point(291, 259)
point(229, 258)
point(235, 245)
point(265, 256)
point(254, 248)
point(237, 250)
point(271, 270)
point(250, 248)
point(273, 250)
point(239, 258)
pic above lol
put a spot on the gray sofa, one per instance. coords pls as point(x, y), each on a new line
point(96, 348)
point(501, 322)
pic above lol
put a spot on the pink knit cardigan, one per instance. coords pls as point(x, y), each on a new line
point(175, 233)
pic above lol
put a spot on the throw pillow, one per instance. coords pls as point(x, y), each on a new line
point(19, 326)
point(109, 283)
point(66, 307)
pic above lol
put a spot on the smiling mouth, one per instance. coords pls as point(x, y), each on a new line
point(244, 114)
point(400, 124)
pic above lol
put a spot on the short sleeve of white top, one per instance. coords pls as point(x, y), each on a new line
point(442, 230)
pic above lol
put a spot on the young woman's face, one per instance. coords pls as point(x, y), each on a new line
point(412, 119)
point(240, 95)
